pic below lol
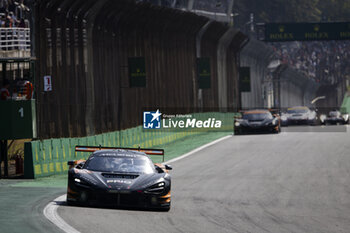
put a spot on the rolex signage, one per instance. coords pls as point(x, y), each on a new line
point(306, 31)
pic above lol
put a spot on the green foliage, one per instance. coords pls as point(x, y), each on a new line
point(335, 10)
point(292, 10)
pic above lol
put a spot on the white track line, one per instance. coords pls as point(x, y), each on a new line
point(198, 149)
point(50, 211)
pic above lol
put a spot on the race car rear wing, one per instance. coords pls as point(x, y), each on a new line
point(159, 152)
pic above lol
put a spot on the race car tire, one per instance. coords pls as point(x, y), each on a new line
point(71, 203)
point(312, 124)
point(238, 132)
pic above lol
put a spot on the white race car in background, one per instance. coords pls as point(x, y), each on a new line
point(334, 118)
point(300, 115)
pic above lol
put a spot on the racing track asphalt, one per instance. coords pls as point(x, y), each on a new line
point(291, 182)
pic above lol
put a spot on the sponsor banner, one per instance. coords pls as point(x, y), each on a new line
point(203, 72)
point(137, 71)
point(306, 31)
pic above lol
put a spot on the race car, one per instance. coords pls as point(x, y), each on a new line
point(300, 115)
point(119, 177)
point(259, 120)
point(334, 118)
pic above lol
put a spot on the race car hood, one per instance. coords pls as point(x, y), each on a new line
point(255, 122)
point(120, 181)
point(298, 116)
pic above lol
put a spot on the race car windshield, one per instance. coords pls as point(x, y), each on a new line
point(257, 116)
point(119, 164)
point(293, 111)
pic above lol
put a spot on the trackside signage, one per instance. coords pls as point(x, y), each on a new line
point(204, 73)
point(306, 31)
point(178, 122)
point(137, 71)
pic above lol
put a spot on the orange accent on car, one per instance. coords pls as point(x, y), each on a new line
point(79, 161)
point(167, 198)
point(166, 195)
point(256, 112)
point(69, 190)
point(162, 167)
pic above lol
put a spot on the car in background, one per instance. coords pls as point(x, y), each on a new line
point(254, 121)
point(334, 117)
point(119, 178)
point(300, 115)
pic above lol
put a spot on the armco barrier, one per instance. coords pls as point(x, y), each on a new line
point(49, 157)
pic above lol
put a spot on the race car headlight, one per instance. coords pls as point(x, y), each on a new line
point(156, 188)
point(345, 117)
point(237, 123)
point(80, 181)
point(77, 180)
point(311, 116)
point(274, 122)
point(85, 181)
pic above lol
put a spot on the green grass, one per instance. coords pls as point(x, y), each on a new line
point(172, 150)
point(55, 181)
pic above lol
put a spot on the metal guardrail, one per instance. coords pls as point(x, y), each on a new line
point(14, 39)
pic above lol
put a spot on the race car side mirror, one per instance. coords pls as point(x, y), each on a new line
point(80, 165)
point(168, 167)
point(70, 163)
point(159, 170)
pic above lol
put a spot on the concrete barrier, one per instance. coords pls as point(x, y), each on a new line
point(257, 56)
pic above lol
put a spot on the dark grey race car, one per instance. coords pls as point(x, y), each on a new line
point(255, 121)
point(119, 178)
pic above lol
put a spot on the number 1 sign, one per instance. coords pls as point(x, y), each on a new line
point(47, 83)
